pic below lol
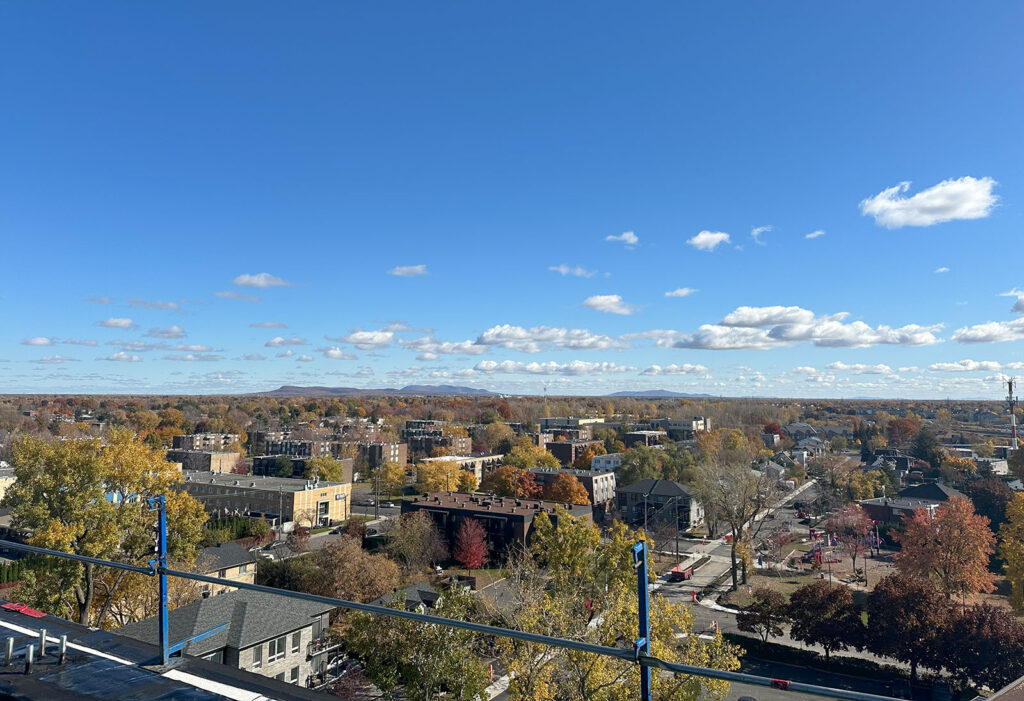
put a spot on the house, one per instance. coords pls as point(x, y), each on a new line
point(105, 665)
point(658, 500)
point(228, 561)
point(505, 520)
point(930, 491)
point(415, 596)
point(272, 635)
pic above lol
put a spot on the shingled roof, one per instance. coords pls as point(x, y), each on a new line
point(252, 618)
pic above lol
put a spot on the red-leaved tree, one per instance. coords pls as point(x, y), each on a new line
point(851, 525)
point(471, 545)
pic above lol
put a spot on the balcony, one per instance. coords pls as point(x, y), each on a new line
point(322, 646)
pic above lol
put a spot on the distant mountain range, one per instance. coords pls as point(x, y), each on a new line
point(658, 393)
point(295, 391)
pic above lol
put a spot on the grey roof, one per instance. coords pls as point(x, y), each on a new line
point(931, 491)
point(416, 594)
point(658, 488)
point(252, 617)
point(248, 482)
point(219, 557)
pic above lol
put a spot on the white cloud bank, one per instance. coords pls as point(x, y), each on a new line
point(538, 338)
point(962, 198)
point(573, 368)
point(684, 369)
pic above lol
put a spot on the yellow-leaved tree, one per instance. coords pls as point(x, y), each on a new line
point(88, 497)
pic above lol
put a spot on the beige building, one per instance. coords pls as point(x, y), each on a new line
point(204, 460)
point(6, 480)
point(228, 561)
point(205, 441)
point(277, 499)
point(478, 465)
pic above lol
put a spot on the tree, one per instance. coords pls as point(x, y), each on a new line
point(428, 660)
point(851, 525)
point(241, 467)
point(325, 468)
point(825, 615)
point(952, 548)
point(567, 489)
point(926, 447)
point(392, 478)
point(984, 646)
point(1016, 463)
point(907, 620)
point(991, 498)
point(281, 467)
point(899, 430)
point(61, 495)
point(582, 462)
point(733, 493)
point(471, 545)
point(1011, 548)
point(467, 481)
point(437, 475)
point(298, 539)
point(772, 427)
point(497, 434)
point(345, 571)
point(414, 542)
point(507, 481)
point(525, 455)
point(765, 614)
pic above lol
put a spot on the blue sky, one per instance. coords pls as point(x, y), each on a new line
point(502, 195)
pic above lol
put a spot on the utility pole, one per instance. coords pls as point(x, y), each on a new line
point(376, 493)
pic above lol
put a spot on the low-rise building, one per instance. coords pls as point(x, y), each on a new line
point(204, 460)
point(228, 561)
point(505, 520)
point(270, 465)
point(277, 499)
point(682, 429)
point(275, 636)
point(644, 438)
point(7, 480)
point(204, 441)
point(606, 463)
point(600, 484)
point(567, 451)
point(651, 500)
point(479, 465)
point(298, 448)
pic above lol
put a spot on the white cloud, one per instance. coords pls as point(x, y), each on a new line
point(910, 368)
point(431, 346)
point(715, 337)
point(366, 340)
point(709, 240)
point(859, 368)
point(260, 280)
point(538, 338)
point(681, 292)
point(1014, 292)
point(1018, 306)
point(37, 341)
point(305, 358)
point(83, 342)
point(285, 354)
point(55, 360)
point(815, 234)
point(98, 300)
point(991, 332)
point(663, 338)
point(612, 304)
point(573, 368)
point(408, 270)
point(335, 353)
point(575, 271)
point(805, 370)
point(267, 325)
point(626, 237)
point(962, 198)
point(754, 317)
point(253, 356)
point(231, 294)
point(122, 357)
point(156, 304)
point(117, 323)
point(829, 333)
point(193, 348)
point(195, 358)
point(943, 269)
point(427, 357)
point(756, 232)
point(138, 346)
point(278, 341)
point(169, 332)
point(684, 369)
point(968, 365)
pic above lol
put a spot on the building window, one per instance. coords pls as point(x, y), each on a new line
point(222, 574)
point(276, 649)
point(296, 639)
point(279, 677)
point(257, 657)
point(293, 676)
point(243, 569)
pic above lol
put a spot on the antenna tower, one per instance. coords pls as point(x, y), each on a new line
point(1011, 403)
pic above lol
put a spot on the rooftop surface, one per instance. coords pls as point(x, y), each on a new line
point(274, 484)
point(496, 505)
point(658, 488)
point(104, 665)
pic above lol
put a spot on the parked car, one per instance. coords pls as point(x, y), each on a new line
point(388, 504)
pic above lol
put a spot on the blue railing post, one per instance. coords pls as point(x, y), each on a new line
point(643, 643)
point(159, 504)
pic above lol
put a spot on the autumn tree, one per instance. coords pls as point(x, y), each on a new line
point(437, 475)
point(582, 462)
point(984, 647)
point(900, 430)
point(525, 455)
point(392, 478)
point(471, 545)
point(825, 615)
point(1011, 548)
point(89, 498)
point(951, 548)
point(345, 571)
point(498, 437)
point(507, 481)
point(991, 498)
point(765, 614)
point(326, 469)
point(851, 525)
point(1016, 463)
point(415, 543)
point(908, 620)
point(567, 489)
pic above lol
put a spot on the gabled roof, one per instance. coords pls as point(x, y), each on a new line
point(252, 617)
point(223, 556)
point(416, 594)
point(658, 488)
point(932, 491)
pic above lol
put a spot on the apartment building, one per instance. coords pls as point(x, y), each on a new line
point(204, 441)
point(600, 485)
point(568, 451)
point(606, 463)
point(204, 460)
point(277, 499)
point(478, 465)
point(644, 438)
